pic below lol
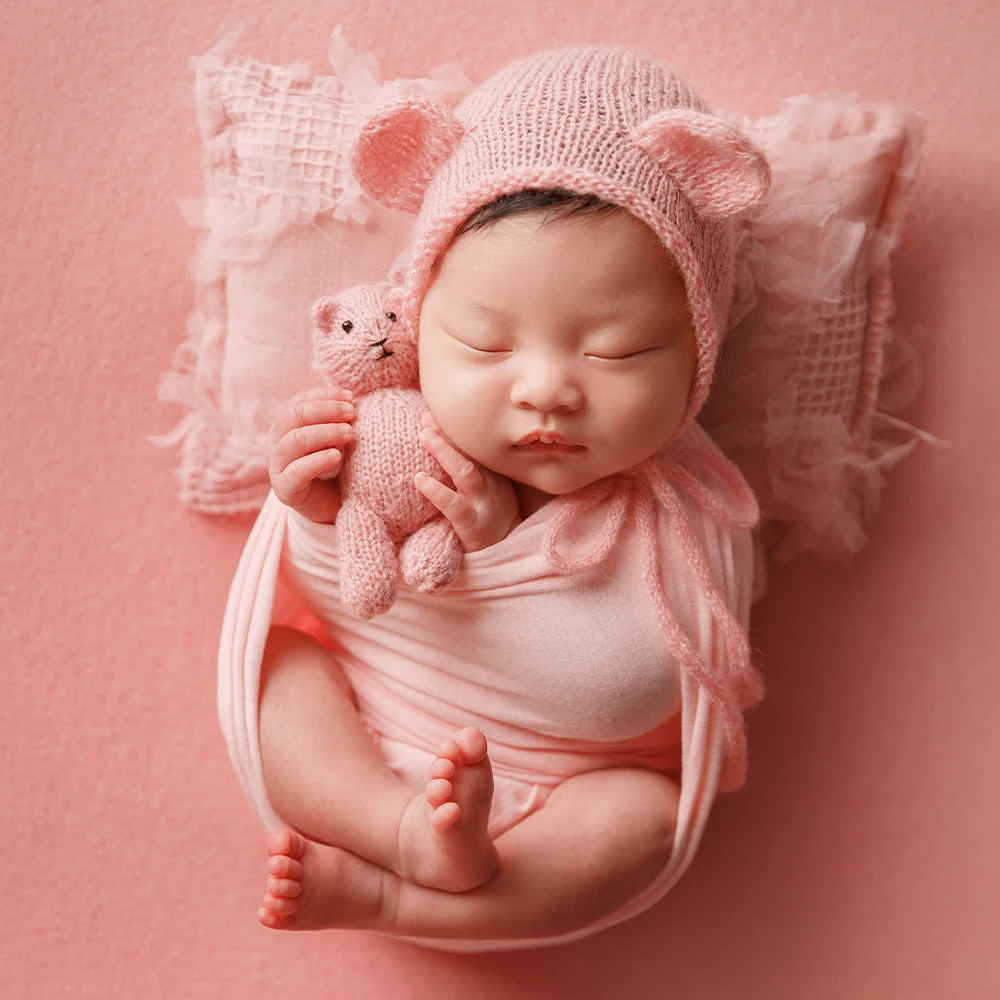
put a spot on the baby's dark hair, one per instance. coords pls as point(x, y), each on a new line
point(558, 202)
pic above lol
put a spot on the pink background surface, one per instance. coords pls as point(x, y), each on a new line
point(860, 861)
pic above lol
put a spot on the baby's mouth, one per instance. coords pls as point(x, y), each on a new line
point(546, 437)
point(547, 443)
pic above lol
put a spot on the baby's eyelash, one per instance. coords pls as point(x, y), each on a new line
point(617, 357)
point(480, 350)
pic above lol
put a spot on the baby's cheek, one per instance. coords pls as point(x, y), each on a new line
point(460, 405)
point(433, 379)
point(643, 415)
point(474, 421)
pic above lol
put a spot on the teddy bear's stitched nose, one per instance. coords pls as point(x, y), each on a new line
point(386, 353)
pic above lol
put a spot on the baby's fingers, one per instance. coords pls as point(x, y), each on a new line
point(463, 471)
point(453, 505)
point(292, 486)
point(302, 441)
point(324, 404)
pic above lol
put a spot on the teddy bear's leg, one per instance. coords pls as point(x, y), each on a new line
point(368, 564)
point(431, 556)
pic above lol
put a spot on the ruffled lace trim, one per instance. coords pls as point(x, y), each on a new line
point(255, 192)
point(811, 377)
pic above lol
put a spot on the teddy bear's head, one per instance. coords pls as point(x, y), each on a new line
point(359, 341)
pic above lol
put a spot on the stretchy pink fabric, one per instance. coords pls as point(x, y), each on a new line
point(563, 673)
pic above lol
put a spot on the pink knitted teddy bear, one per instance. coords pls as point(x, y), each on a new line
point(385, 526)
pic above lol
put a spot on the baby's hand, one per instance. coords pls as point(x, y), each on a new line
point(303, 451)
point(482, 508)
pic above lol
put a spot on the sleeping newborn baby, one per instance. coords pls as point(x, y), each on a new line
point(528, 754)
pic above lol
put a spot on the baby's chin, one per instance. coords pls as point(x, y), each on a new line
point(555, 478)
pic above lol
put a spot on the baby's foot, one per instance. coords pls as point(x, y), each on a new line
point(443, 841)
point(312, 886)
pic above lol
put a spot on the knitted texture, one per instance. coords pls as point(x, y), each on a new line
point(733, 682)
point(385, 526)
point(809, 377)
point(610, 122)
point(614, 123)
point(282, 221)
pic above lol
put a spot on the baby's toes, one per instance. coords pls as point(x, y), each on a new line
point(442, 768)
point(285, 842)
point(473, 745)
point(284, 888)
point(280, 906)
point(281, 866)
point(438, 791)
point(273, 922)
point(450, 750)
point(445, 817)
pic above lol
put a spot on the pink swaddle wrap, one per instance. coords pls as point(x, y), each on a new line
point(610, 626)
point(564, 672)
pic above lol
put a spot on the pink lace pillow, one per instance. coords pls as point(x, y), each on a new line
point(801, 393)
point(810, 370)
point(282, 223)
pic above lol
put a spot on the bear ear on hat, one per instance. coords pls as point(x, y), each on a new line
point(399, 149)
point(718, 169)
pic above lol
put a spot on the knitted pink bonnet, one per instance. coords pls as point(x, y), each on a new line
point(604, 121)
point(614, 123)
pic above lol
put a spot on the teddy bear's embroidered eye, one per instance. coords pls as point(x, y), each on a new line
point(392, 317)
point(347, 326)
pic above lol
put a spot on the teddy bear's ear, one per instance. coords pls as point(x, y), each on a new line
point(400, 148)
point(325, 313)
point(718, 169)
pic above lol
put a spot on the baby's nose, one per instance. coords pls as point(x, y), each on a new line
point(547, 387)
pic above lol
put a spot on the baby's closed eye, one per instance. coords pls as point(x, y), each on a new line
point(620, 353)
point(632, 344)
point(482, 343)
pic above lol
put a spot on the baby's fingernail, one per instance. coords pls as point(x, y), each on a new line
point(348, 409)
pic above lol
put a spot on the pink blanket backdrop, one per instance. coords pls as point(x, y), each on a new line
point(860, 860)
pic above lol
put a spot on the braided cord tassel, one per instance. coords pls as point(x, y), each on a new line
point(680, 645)
point(735, 684)
point(744, 679)
point(719, 691)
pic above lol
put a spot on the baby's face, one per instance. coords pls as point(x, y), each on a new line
point(577, 331)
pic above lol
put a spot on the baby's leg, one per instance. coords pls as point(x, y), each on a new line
point(598, 842)
point(325, 777)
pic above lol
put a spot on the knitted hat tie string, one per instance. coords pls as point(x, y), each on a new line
point(732, 681)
